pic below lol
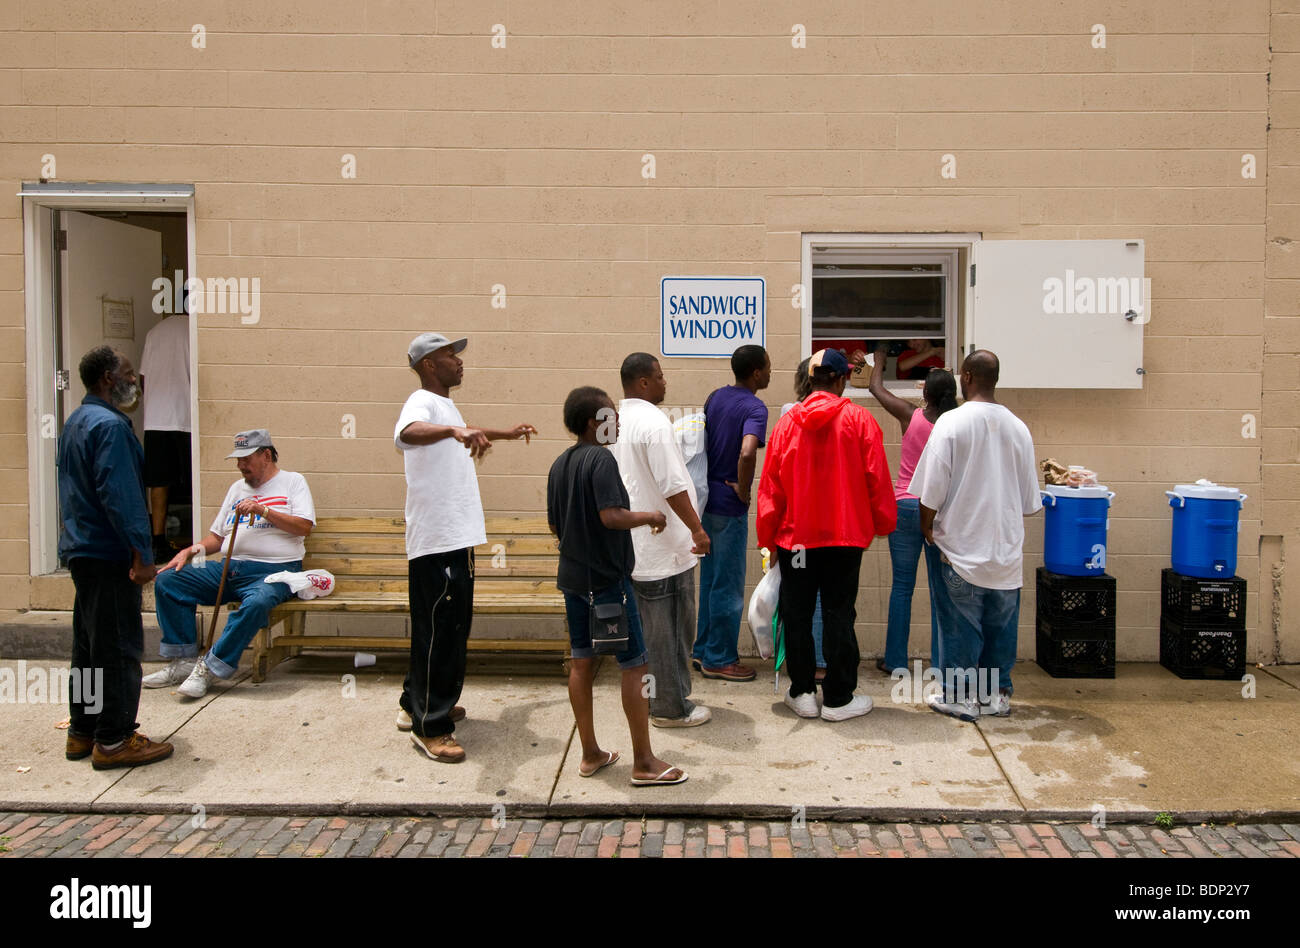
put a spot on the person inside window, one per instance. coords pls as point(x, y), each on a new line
point(920, 356)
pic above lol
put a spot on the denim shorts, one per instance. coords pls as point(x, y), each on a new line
point(579, 614)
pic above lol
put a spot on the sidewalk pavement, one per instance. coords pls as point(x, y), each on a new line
point(38, 835)
point(318, 737)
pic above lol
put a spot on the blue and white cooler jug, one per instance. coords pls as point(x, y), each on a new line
point(1074, 531)
point(1206, 525)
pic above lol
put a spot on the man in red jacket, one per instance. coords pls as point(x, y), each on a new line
point(825, 492)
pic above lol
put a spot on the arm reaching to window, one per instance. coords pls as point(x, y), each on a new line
point(899, 408)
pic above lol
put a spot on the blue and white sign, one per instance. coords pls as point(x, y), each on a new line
point(711, 317)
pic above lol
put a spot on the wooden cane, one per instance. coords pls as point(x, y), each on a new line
point(221, 588)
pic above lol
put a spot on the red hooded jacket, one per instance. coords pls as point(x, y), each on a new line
point(825, 479)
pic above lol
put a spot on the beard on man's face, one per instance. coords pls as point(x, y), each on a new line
point(125, 395)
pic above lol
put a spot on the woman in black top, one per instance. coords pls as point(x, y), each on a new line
point(587, 508)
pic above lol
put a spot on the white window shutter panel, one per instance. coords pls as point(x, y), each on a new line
point(1062, 313)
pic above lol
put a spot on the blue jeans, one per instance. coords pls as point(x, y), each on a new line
point(578, 612)
point(905, 545)
point(667, 610)
point(179, 593)
point(978, 629)
point(722, 591)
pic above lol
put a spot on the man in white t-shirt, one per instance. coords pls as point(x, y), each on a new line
point(444, 522)
point(976, 480)
point(165, 393)
point(275, 512)
point(655, 475)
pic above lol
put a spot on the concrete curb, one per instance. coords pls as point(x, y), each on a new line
point(47, 635)
point(719, 811)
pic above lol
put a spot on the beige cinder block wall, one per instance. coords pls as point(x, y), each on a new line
point(523, 166)
point(1280, 593)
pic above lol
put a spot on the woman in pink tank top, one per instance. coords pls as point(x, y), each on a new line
point(906, 543)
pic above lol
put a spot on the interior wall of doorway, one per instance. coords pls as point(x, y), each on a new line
point(128, 249)
point(106, 269)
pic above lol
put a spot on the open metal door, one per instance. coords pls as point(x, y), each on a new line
point(1061, 313)
point(108, 271)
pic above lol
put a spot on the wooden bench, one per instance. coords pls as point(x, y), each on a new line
point(514, 575)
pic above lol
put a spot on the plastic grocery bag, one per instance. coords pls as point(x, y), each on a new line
point(689, 433)
point(762, 609)
point(311, 584)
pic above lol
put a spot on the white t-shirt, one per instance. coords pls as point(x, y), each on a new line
point(443, 508)
point(287, 492)
point(165, 365)
point(652, 468)
point(977, 471)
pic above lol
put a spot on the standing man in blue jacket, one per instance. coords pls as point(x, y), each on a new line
point(108, 545)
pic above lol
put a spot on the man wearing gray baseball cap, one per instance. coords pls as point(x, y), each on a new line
point(275, 513)
point(444, 522)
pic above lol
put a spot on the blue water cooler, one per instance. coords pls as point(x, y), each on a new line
point(1202, 602)
point(1206, 524)
point(1075, 611)
point(1074, 531)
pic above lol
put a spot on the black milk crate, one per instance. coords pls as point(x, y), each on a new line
point(1076, 650)
point(1206, 603)
point(1200, 651)
point(1078, 600)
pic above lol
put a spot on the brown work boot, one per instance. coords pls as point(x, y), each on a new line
point(733, 672)
point(78, 747)
point(442, 748)
point(404, 719)
point(136, 751)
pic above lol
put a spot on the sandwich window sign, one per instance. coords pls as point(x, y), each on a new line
point(711, 317)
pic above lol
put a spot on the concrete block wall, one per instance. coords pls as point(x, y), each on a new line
point(522, 166)
point(1279, 613)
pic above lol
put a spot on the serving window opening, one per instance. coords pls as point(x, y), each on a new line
point(902, 298)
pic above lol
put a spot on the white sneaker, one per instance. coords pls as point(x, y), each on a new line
point(700, 715)
point(999, 706)
point(176, 672)
point(196, 686)
point(403, 720)
point(858, 705)
point(805, 705)
point(965, 710)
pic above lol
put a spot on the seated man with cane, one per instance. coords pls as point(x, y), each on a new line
point(275, 509)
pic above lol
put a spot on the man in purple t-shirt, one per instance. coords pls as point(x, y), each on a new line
point(735, 426)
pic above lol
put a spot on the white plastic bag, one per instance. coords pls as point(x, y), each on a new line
point(311, 584)
point(762, 607)
point(689, 432)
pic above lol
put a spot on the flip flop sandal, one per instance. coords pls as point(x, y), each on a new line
point(659, 781)
point(613, 756)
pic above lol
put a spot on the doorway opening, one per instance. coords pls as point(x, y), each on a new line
point(95, 256)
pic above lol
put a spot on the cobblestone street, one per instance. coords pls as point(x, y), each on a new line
point(84, 835)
